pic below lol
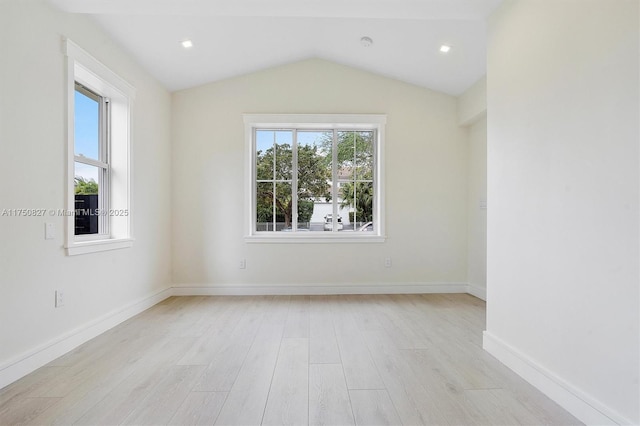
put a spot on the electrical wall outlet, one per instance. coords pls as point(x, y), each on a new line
point(387, 262)
point(243, 264)
point(59, 298)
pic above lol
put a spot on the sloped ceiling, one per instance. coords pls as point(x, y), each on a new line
point(235, 37)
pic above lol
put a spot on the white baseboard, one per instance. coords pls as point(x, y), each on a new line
point(316, 289)
point(40, 356)
point(479, 292)
point(584, 407)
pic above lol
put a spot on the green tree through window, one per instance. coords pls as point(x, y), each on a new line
point(355, 173)
point(84, 186)
point(274, 195)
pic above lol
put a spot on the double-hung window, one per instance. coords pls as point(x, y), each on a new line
point(91, 163)
point(315, 178)
point(98, 208)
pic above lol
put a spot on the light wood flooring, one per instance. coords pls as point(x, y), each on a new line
point(285, 360)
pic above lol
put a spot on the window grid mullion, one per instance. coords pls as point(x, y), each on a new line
point(90, 162)
point(334, 178)
point(254, 182)
point(374, 174)
point(354, 178)
point(274, 186)
point(294, 181)
point(104, 193)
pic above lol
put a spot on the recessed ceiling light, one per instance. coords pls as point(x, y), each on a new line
point(444, 48)
point(187, 44)
point(366, 41)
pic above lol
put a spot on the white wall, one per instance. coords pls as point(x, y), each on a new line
point(472, 114)
point(563, 276)
point(477, 210)
point(426, 178)
point(472, 104)
point(32, 175)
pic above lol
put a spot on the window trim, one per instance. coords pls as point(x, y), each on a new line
point(375, 122)
point(84, 69)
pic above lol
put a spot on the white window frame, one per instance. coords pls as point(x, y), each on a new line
point(115, 228)
point(375, 122)
point(102, 163)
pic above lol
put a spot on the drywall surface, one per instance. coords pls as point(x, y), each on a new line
point(477, 213)
point(562, 274)
point(426, 178)
point(472, 104)
point(32, 176)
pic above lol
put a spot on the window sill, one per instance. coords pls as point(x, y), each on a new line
point(94, 246)
point(278, 238)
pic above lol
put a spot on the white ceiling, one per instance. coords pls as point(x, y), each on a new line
point(235, 37)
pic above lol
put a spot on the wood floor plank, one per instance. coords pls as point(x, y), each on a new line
point(359, 369)
point(164, 400)
point(222, 323)
point(497, 407)
point(454, 351)
point(93, 383)
point(470, 368)
point(374, 311)
point(24, 410)
point(445, 323)
point(323, 347)
point(441, 389)
point(398, 326)
point(227, 360)
point(288, 401)
point(329, 402)
point(248, 396)
point(95, 367)
point(545, 409)
point(373, 408)
point(128, 395)
point(297, 324)
point(199, 408)
point(131, 330)
point(26, 386)
point(192, 322)
point(365, 317)
point(412, 402)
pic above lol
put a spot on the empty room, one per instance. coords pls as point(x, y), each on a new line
point(240, 212)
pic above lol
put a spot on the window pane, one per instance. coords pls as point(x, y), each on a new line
point(284, 157)
point(363, 202)
point(86, 126)
point(264, 154)
point(357, 197)
point(346, 155)
point(364, 155)
point(284, 201)
point(345, 209)
point(86, 198)
point(314, 177)
point(264, 206)
point(305, 213)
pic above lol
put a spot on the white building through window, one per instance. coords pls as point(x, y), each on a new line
point(315, 177)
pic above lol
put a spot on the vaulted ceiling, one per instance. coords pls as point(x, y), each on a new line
point(235, 37)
